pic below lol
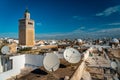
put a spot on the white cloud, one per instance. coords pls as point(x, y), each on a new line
point(82, 27)
point(77, 17)
point(78, 30)
point(92, 29)
point(71, 35)
point(9, 34)
point(39, 24)
point(78, 33)
point(114, 24)
point(112, 32)
point(109, 11)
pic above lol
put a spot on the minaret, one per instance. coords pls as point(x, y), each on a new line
point(27, 14)
point(26, 30)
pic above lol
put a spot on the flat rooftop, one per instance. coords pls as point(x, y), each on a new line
point(65, 69)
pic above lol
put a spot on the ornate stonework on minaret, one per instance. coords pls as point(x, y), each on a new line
point(26, 30)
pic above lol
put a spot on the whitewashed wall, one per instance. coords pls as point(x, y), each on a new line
point(34, 60)
point(21, 61)
point(18, 64)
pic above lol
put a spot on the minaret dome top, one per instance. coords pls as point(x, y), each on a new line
point(27, 14)
point(27, 11)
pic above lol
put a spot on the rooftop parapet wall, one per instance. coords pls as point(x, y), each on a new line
point(79, 72)
point(18, 64)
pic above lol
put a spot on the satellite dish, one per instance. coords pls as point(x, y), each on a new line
point(115, 40)
point(72, 55)
point(51, 62)
point(79, 40)
point(113, 64)
point(100, 49)
point(53, 42)
point(5, 50)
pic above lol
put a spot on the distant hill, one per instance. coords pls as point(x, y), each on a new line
point(81, 34)
point(115, 32)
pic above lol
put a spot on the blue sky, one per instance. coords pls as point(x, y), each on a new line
point(60, 17)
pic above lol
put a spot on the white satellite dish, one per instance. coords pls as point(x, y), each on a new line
point(5, 50)
point(113, 64)
point(53, 42)
point(115, 40)
point(51, 62)
point(72, 55)
point(79, 40)
point(100, 49)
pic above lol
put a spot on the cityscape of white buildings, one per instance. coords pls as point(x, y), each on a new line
point(13, 63)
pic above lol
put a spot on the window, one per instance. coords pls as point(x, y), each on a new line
point(7, 64)
point(22, 22)
point(30, 23)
